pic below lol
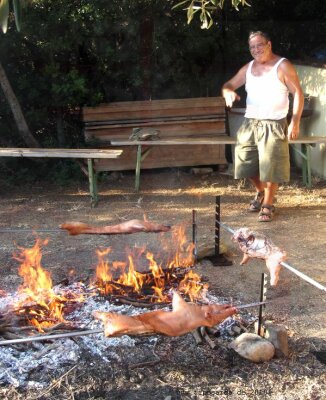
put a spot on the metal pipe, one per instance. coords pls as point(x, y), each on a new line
point(194, 234)
point(263, 290)
point(258, 304)
point(50, 337)
point(286, 265)
point(17, 230)
point(303, 276)
point(217, 225)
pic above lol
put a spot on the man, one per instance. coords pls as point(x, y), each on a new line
point(262, 150)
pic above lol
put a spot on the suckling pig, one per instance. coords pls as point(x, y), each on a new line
point(183, 318)
point(132, 226)
point(257, 245)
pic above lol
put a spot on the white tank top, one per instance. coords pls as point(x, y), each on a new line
point(267, 96)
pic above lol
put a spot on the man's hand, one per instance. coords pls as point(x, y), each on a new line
point(230, 97)
point(293, 131)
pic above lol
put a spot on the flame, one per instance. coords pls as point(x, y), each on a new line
point(191, 285)
point(154, 284)
point(41, 306)
point(184, 251)
point(132, 277)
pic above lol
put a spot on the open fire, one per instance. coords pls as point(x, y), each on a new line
point(43, 306)
point(38, 303)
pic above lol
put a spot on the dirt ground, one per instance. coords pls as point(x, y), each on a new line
point(178, 369)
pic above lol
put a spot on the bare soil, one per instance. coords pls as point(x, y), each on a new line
point(178, 369)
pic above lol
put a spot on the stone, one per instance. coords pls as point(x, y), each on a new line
point(202, 171)
point(277, 335)
point(253, 347)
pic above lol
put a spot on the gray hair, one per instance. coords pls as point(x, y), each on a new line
point(259, 33)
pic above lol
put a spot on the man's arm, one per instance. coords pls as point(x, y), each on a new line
point(229, 88)
point(291, 80)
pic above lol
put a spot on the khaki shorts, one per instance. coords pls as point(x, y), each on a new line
point(262, 150)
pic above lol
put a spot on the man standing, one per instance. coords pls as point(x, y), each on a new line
point(262, 150)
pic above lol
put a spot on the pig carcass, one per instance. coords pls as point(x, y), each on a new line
point(256, 245)
point(183, 318)
point(132, 226)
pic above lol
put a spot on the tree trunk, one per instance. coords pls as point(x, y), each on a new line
point(146, 49)
point(23, 129)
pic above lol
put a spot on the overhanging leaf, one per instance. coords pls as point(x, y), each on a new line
point(18, 4)
point(4, 14)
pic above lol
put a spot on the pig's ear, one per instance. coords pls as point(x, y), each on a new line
point(177, 302)
point(208, 315)
point(102, 316)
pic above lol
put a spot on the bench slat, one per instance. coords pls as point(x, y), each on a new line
point(60, 153)
point(140, 121)
point(149, 114)
point(213, 141)
point(164, 156)
point(157, 105)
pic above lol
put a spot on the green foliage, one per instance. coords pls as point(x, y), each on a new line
point(17, 6)
point(73, 53)
point(205, 9)
point(4, 14)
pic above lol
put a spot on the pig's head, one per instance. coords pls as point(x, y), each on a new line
point(216, 313)
point(243, 235)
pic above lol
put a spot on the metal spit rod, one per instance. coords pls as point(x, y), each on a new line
point(29, 230)
point(284, 264)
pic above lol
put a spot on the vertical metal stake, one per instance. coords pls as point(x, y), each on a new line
point(263, 290)
point(217, 225)
point(218, 259)
point(194, 234)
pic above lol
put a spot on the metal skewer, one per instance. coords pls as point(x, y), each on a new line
point(51, 337)
point(29, 230)
point(259, 303)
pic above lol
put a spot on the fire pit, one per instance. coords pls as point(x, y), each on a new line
point(38, 306)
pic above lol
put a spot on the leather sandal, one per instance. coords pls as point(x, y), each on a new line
point(266, 216)
point(255, 204)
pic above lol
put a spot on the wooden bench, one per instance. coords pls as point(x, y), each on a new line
point(191, 132)
point(305, 142)
point(89, 154)
point(182, 127)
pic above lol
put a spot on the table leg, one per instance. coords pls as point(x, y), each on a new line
point(138, 162)
point(92, 177)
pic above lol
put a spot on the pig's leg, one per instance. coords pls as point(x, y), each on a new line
point(245, 259)
point(274, 267)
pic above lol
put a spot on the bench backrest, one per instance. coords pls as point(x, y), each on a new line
point(201, 117)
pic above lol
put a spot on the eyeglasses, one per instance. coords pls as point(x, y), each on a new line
point(257, 46)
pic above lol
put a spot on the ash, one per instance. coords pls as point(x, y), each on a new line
point(21, 363)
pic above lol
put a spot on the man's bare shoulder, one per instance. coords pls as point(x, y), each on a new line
point(286, 66)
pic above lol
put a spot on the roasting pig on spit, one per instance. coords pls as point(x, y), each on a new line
point(257, 245)
point(132, 226)
point(183, 318)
